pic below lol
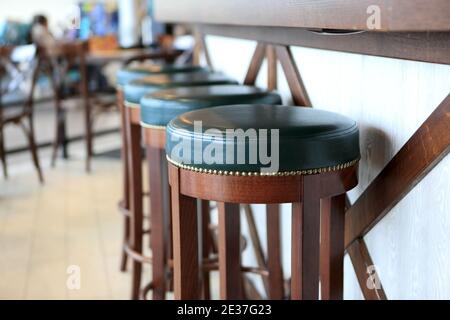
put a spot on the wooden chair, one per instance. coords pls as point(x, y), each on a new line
point(55, 62)
point(318, 157)
point(19, 118)
point(60, 62)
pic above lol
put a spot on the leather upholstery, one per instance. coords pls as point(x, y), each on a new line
point(159, 108)
point(308, 138)
point(135, 72)
point(136, 89)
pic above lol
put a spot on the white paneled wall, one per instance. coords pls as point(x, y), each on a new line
point(390, 99)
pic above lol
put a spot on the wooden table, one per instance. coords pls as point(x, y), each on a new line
point(416, 30)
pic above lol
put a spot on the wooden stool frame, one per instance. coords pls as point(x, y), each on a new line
point(154, 140)
point(304, 191)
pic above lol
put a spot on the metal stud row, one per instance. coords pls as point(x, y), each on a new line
point(250, 174)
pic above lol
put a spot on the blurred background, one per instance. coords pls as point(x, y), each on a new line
point(73, 219)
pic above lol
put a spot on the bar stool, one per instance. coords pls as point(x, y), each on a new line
point(124, 76)
point(133, 92)
point(157, 110)
point(318, 153)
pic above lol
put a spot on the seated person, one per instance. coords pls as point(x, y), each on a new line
point(40, 33)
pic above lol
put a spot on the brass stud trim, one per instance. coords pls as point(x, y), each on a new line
point(274, 174)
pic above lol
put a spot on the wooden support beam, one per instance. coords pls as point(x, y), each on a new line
point(255, 64)
point(394, 15)
point(423, 151)
point(204, 48)
point(293, 77)
point(418, 46)
point(272, 79)
point(361, 262)
point(200, 48)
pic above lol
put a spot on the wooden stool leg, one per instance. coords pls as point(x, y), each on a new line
point(229, 251)
point(126, 240)
point(126, 182)
point(33, 148)
point(58, 133)
point(158, 183)
point(3, 153)
point(276, 282)
point(306, 241)
point(185, 243)
point(135, 161)
point(332, 248)
point(206, 246)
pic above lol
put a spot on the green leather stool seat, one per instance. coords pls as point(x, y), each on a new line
point(136, 89)
point(158, 108)
point(310, 141)
point(128, 74)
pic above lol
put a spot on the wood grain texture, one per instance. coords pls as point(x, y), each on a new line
point(207, 245)
point(185, 241)
point(133, 133)
point(125, 202)
point(293, 77)
point(255, 64)
point(420, 46)
point(306, 242)
point(395, 15)
point(231, 284)
point(159, 212)
point(274, 245)
point(272, 64)
point(361, 260)
point(332, 248)
point(240, 189)
point(423, 151)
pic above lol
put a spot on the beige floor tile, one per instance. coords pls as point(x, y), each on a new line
point(71, 220)
point(13, 281)
point(47, 280)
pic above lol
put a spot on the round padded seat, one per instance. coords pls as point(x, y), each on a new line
point(136, 89)
point(158, 108)
point(128, 74)
point(299, 140)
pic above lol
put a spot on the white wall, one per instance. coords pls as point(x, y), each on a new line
point(390, 99)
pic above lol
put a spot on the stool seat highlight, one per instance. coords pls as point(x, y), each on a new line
point(158, 108)
point(131, 73)
point(310, 140)
point(136, 89)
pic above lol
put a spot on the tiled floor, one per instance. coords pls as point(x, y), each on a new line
point(71, 220)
